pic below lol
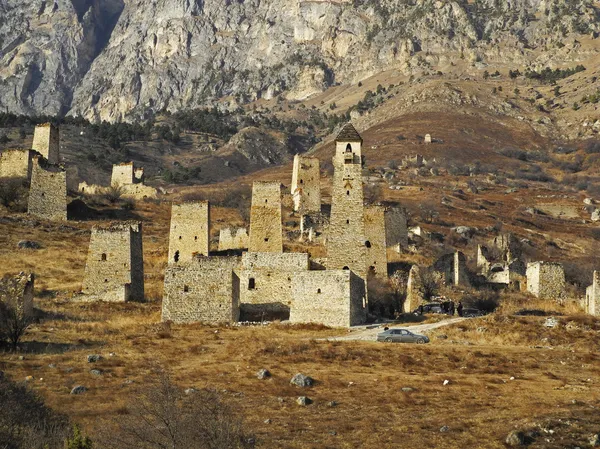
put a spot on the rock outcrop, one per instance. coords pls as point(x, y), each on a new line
point(120, 59)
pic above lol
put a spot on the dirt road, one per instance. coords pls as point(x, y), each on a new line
point(369, 333)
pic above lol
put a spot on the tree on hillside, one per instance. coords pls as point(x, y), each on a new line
point(163, 416)
point(13, 325)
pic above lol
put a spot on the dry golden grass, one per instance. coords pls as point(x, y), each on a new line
point(480, 405)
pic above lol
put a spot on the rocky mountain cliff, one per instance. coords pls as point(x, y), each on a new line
point(120, 59)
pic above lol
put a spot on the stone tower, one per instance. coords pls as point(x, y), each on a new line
point(375, 241)
point(16, 163)
point(306, 185)
point(115, 265)
point(346, 232)
point(123, 174)
point(592, 296)
point(47, 191)
point(265, 218)
point(190, 231)
point(46, 141)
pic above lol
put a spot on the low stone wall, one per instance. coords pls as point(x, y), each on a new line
point(335, 298)
point(205, 290)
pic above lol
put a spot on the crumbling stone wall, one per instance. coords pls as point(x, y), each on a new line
point(396, 228)
point(115, 264)
point(306, 185)
point(230, 239)
point(190, 231)
point(313, 227)
point(335, 298)
point(122, 174)
point(451, 269)
point(138, 191)
point(266, 281)
point(46, 141)
point(265, 218)
point(483, 262)
point(207, 290)
point(546, 280)
point(16, 163)
point(346, 232)
point(592, 296)
point(415, 290)
point(47, 191)
point(90, 189)
point(16, 291)
point(375, 241)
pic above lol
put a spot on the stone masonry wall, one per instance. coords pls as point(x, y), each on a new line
point(334, 298)
point(396, 228)
point(346, 232)
point(266, 281)
point(115, 266)
point(122, 174)
point(415, 290)
point(375, 242)
point(46, 141)
point(265, 218)
point(203, 290)
point(47, 191)
point(233, 239)
point(306, 185)
point(16, 163)
point(17, 291)
point(592, 297)
point(190, 231)
point(546, 280)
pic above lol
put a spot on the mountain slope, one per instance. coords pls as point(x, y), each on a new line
point(178, 54)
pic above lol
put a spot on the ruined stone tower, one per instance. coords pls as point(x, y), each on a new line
point(115, 265)
point(16, 163)
point(346, 232)
point(190, 231)
point(16, 291)
point(265, 218)
point(46, 141)
point(306, 185)
point(375, 241)
point(123, 174)
point(546, 280)
point(592, 296)
point(47, 191)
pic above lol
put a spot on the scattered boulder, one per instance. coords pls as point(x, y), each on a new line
point(407, 389)
point(93, 358)
point(596, 215)
point(551, 322)
point(515, 438)
point(263, 374)
point(589, 202)
point(464, 231)
point(444, 429)
point(28, 378)
point(190, 390)
point(303, 401)
point(78, 389)
point(96, 372)
point(332, 404)
point(28, 244)
point(595, 440)
point(301, 380)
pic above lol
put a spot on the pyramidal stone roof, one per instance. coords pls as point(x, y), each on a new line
point(348, 134)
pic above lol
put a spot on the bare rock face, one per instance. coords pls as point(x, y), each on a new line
point(120, 59)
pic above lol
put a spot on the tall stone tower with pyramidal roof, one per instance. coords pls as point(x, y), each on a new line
point(346, 233)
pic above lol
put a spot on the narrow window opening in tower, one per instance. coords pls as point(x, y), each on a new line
point(368, 244)
point(302, 181)
point(318, 290)
point(103, 257)
point(176, 258)
point(266, 239)
point(266, 201)
point(347, 221)
point(348, 148)
point(179, 237)
point(348, 192)
point(251, 284)
point(345, 268)
point(195, 237)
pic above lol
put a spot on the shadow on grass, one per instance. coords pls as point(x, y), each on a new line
point(39, 347)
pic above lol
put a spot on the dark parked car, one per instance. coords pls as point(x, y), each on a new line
point(471, 313)
point(428, 308)
point(401, 336)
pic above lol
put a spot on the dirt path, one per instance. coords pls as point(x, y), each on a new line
point(369, 333)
